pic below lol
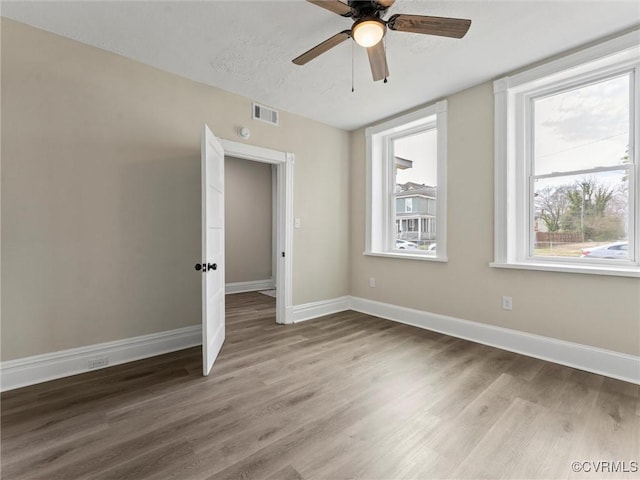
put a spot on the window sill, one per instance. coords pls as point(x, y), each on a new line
point(622, 271)
point(407, 256)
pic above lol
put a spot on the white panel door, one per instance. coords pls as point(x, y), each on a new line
point(213, 331)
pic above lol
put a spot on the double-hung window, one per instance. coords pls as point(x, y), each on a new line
point(567, 177)
point(406, 185)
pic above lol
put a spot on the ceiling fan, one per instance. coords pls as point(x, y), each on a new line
point(369, 27)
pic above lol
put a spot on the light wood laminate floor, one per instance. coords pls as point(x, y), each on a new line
point(343, 396)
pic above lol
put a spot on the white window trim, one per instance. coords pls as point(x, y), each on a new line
point(511, 212)
point(378, 239)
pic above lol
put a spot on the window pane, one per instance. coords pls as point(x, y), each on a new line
point(582, 128)
point(415, 160)
point(582, 215)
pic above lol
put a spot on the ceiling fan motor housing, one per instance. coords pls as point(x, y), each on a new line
point(365, 8)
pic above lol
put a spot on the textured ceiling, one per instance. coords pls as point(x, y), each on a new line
point(246, 47)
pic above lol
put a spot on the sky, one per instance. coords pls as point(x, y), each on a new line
point(422, 150)
point(582, 128)
point(576, 129)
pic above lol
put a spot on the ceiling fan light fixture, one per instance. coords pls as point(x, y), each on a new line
point(368, 32)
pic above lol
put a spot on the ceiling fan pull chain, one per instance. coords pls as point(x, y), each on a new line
point(353, 89)
point(385, 53)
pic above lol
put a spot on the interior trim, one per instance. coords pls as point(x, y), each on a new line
point(583, 357)
point(41, 368)
point(65, 363)
point(253, 286)
point(309, 311)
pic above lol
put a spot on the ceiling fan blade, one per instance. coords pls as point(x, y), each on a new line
point(334, 6)
point(442, 26)
point(378, 61)
point(319, 49)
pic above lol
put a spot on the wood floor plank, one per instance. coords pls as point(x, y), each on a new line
point(524, 427)
point(343, 396)
point(287, 473)
point(271, 422)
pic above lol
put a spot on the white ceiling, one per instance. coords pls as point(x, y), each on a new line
point(246, 47)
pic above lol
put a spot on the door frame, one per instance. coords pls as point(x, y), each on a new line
point(283, 162)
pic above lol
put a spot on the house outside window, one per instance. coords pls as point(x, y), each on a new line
point(422, 200)
point(566, 168)
point(406, 186)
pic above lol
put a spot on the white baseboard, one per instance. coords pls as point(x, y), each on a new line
point(49, 366)
point(253, 286)
point(308, 311)
point(591, 359)
point(41, 368)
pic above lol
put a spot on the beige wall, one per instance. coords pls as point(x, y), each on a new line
point(248, 214)
point(101, 210)
point(589, 309)
point(101, 194)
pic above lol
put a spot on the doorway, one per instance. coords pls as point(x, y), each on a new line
point(249, 212)
point(282, 167)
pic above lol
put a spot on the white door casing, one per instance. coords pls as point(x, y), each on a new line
point(213, 278)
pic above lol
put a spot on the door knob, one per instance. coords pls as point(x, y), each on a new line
point(205, 267)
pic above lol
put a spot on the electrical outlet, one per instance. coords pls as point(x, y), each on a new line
point(507, 303)
point(372, 282)
point(94, 363)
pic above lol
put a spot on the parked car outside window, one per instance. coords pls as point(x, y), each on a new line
point(404, 245)
point(610, 250)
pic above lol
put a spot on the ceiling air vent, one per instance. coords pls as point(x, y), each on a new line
point(266, 114)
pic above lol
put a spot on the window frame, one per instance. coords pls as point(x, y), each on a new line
point(514, 206)
point(380, 182)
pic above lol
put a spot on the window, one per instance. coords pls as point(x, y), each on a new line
point(408, 205)
point(406, 186)
point(566, 169)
